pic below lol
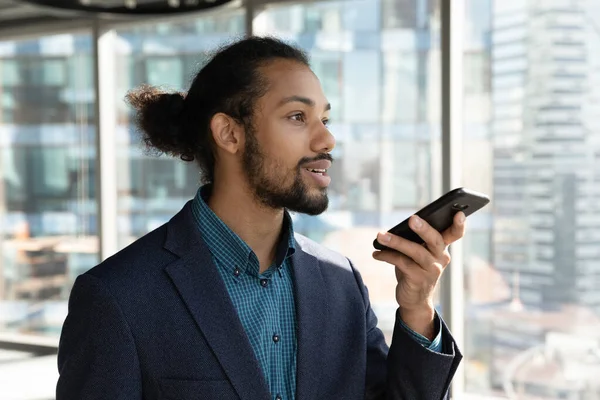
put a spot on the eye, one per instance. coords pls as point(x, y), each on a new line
point(326, 122)
point(299, 117)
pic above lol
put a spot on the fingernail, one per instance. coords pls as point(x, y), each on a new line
point(462, 217)
point(417, 222)
point(383, 237)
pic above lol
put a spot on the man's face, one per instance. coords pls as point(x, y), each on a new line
point(286, 152)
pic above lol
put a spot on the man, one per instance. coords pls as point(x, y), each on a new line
point(225, 301)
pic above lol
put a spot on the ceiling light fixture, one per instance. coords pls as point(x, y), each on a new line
point(113, 8)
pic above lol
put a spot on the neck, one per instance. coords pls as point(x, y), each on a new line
point(257, 225)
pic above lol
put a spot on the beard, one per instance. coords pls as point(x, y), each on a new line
point(270, 181)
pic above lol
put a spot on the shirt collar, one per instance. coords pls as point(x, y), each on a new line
point(225, 245)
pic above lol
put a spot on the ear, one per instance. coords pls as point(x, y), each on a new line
point(226, 133)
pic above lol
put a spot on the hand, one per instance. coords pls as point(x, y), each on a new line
point(419, 268)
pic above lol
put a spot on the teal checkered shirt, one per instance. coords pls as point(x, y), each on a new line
point(264, 302)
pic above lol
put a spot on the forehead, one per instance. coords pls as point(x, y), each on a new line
point(290, 78)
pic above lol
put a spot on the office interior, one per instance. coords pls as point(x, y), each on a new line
point(499, 96)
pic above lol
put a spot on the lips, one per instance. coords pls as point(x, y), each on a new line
point(320, 165)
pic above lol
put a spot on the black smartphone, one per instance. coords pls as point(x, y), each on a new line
point(440, 213)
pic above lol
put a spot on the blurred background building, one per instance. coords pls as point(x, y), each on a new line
point(531, 139)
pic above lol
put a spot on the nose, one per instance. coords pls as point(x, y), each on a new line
point(323, 140)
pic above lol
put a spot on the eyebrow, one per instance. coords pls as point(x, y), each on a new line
point(303, 100)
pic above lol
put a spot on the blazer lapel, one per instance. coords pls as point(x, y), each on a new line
point(200, 286)
point(312, 311)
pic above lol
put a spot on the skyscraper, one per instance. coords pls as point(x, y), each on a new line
point(545, 169)
point(544, 154)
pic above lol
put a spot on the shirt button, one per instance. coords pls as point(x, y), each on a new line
point(236, 272)
point(264, 282)
point(276, 338)
point(278, 397)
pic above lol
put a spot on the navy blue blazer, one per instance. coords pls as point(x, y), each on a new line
point(155, 321)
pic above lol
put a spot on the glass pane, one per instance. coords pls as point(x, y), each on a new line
point(165, 72)
point(48, 204)
point(532, 142)
point(382, 80)
point(152, 189)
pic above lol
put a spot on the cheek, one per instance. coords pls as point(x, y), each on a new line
point(282, 165)
point(284, 146)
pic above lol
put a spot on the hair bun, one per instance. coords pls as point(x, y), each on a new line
point(175, 102)
point(160, 117)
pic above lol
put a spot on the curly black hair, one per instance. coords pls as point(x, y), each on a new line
point(178, 124)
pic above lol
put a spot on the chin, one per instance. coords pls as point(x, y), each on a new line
point(314, 205)
point(317, 191)
point(314, 213)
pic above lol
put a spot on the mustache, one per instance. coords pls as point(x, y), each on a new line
point(322, 156)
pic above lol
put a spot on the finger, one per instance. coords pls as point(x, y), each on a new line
point(407, 267)
point(433, 239)
point(405, 264)
point(457, 230)
point(415, 251)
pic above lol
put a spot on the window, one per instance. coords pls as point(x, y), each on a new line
point(166, 72)
point(47, 180)
point(356, 66)
point(10, 72)
point(401, 89)
point(524, 254)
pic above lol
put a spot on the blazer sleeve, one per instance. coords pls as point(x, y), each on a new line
point(406, 370)
point(97, 358)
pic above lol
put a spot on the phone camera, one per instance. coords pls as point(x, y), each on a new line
point(460, 207)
